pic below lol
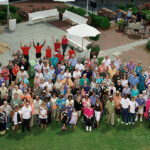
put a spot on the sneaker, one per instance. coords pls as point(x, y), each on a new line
point(87, 128)
point(90, 128)
point(122, 122)
point(129, 122)
point(126, 124)
point(141, 119)
point(7, 128)
point(133, 123)
point(136, 118)
point(118, 120)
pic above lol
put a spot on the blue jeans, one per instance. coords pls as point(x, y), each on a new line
point(8, 120)
point(125, 115)
point(132, 117)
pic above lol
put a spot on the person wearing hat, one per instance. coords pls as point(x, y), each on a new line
point(60, 103)
point(88, 116)
point(3, 121)
point(110, 111)
point(98, 110)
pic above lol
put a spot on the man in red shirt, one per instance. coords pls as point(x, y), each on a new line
point(57, 44)
point(25, 50)
point(71, 52)
point(60, 57)
point(48, 52)
point(64, 44)
point(38, 49)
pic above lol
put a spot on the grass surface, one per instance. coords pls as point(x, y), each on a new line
point(120, 137)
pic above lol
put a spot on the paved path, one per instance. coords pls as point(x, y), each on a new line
point(120, 49)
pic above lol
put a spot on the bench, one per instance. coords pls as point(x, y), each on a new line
point(41, 15)
point(76, 19)
point(78, 41)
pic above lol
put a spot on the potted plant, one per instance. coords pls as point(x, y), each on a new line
point(120, 24)
point(94, 50)
point(61, 11)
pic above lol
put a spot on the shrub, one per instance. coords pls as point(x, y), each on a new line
point(148, 45)
point(96, 38)
point(148, 17)
point(16, 16)
point(61, 10)
point(3, 15)
point(95, 48)
point(12, 9)
point(100, 60)
point(131, 5)
point(105, 23)
point(78, 11)
point(120, 22)
point(121, 6)
point(89, 46)
point(145, 13)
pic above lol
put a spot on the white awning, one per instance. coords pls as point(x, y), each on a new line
point(4, 2)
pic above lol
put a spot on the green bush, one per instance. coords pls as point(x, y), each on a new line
point(105, 23)
point(148, 17)
point(96, 38)
point(78, 11)
point(131, 5)
point(95, 48)
point(148, 45)
point(3, 15)
point(145, 14)
point(121, 6)
point(120, 22)
point(100, 21)
point(12, 9)
point(100, 60)
point(89, 46)
point(16, 16)
point(61, 10)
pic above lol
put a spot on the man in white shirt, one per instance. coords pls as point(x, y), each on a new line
point(80, 66)
point(117, 62)
point(107, 61)
point(16, 90)
point(25, 116)
point(125, 105)
point(76, 73)
point(133, 105)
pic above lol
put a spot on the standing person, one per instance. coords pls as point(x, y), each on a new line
point(38, 49)
point(74, 118)
point(57, 44)
point(7, 109)
point(71, 52)
point(139, 16)
point(25, 50)
point(43, 111)
point(26, 113)
point(54, 107)
point(48, 53)
point(16, 118)
point(64, 119)
point(6, 74)
point(49, 109)
point(110, 111)
point(78, 105)
point(141, 104)
point(98, 110)
point(133, 107)
point(60, 57)
point(117, 98)
point(3, 121)
point(64, 44)
point(125, 105)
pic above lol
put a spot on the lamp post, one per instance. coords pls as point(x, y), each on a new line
point(87, 7)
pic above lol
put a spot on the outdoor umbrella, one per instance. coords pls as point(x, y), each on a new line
point(64, 0)
point(83, 30)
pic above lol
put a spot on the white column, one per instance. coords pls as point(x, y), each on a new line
point(87, 7)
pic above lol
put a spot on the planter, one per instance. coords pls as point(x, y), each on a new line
point(12, 24)
point(89, 22)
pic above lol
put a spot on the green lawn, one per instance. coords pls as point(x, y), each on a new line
point(120, 137)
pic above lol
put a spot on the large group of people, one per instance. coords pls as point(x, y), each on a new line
point(69, 89)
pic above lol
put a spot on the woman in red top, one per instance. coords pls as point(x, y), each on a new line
point(57, 44)
point(38, 49)
point(25, 50)
point(15, 71)
point(64, 44)
point(71, 52)
point(48, 52)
